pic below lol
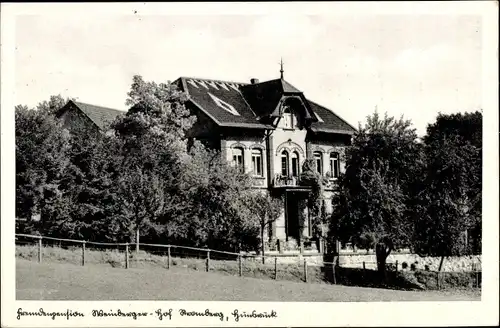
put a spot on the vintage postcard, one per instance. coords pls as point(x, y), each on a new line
point(249, 164)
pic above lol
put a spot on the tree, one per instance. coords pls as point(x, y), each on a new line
point(314, 203)
point(153, 147)
point(219, 213)
point(92, 186)
point(267, 210)
point(450, 199)
point(370, 209)
point(41, 162)
point(52, 105)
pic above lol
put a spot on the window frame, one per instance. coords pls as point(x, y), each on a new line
point(296, 166)
point(240, 166)
point(256, 167)
point(285, 156)
point(288, 117)
point(334, 162)
point(318, 155)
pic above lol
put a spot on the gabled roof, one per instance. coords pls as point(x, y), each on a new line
point(328, 121)
point(222, 101)
point(244, 105)
point(99, 115)
point(264, 97)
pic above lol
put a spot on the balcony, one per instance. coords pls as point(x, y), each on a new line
point(280, 180)
point(285, 181)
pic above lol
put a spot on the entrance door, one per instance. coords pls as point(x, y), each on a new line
point(296, 214)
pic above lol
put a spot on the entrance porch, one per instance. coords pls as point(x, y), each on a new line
point(293, 230)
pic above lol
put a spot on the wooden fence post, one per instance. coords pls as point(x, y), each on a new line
point(275, 267)
point(240, 268)
point(364, 266)
point(397, 265)
point(126, 256)
point(305, 270)
point(40, 250)
point(334, 264)
point(437, 280)
point(208, 261)
point(83, 253)
point(168, 257)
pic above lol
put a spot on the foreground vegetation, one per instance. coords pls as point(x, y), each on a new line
point(57, 281)
point(403, 280)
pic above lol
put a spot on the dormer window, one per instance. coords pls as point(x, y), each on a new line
point(287, 118)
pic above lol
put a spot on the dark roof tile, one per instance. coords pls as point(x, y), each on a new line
point(328, 121)
point(101, 116)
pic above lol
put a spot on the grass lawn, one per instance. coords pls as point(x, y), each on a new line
point(60, 281)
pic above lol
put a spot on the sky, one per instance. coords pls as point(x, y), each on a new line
point(406, 65)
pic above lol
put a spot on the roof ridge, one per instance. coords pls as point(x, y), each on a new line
point(104, 107)
point(212, 80)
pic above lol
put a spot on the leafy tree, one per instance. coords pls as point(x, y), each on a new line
point(370, 209)
point(450, 200)
point(267, 210)
point(314, 203)
point(92, 187)
point(153, 145)
point(41, 162)
point(52, 105)
point(220, 215)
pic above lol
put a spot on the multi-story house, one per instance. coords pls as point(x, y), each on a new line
point(268, 129)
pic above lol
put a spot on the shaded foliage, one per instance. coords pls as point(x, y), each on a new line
point(371, 207)
point(41, 161)
point(311, 178)
point(139, 179)
point(450, 199)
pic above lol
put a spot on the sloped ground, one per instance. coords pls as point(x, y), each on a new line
point(56, 281)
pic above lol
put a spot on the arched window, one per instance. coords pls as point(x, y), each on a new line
point(318, 161)
point(238, 158)
point(287, 118)
point(284, 163)
point(334, 165)
point(295, 164)
point(257, 162)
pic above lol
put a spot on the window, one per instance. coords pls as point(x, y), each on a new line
point(318, 160)
point(238, 158)
point(257, 162)
point(287, 118)
point(284, 163)
point(295, 164)
point(334, 165)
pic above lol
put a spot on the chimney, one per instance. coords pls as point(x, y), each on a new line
point(254, 81)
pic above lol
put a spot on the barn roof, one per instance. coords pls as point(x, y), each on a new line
point(99, 115)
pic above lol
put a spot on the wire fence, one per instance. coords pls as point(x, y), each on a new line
point(298, 268)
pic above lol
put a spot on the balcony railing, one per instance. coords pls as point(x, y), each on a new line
point(283, 181)
point(287, 181)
